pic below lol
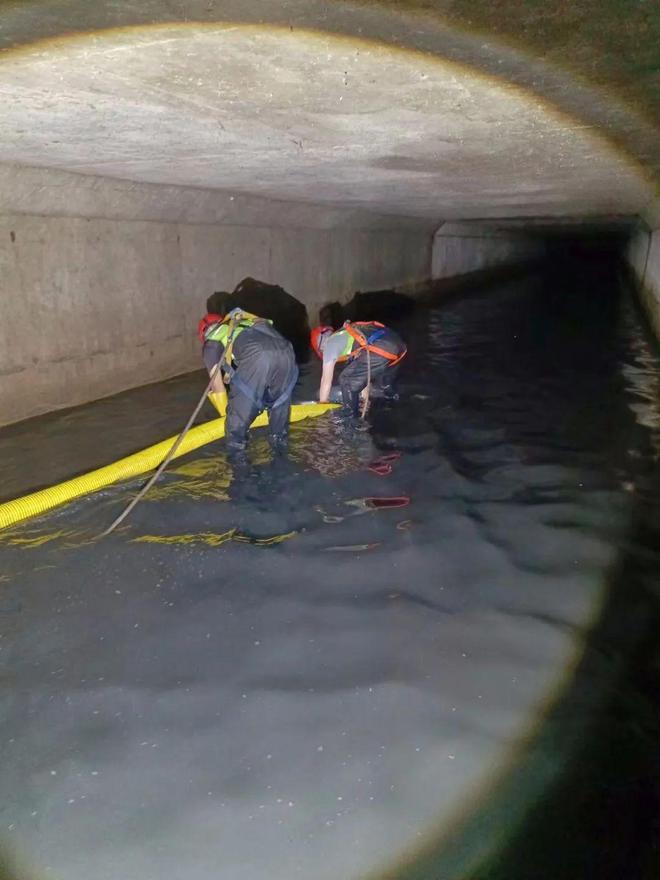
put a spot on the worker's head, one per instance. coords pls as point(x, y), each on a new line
point(318, 337)
point(206, 322)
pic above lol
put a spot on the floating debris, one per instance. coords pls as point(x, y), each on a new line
point(381, 503)
point(383, 464)
point(381, 468)
point(366, 505)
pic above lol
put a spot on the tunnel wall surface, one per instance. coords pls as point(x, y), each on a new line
point(94, 305)
point(644, 259)
point(461, 248)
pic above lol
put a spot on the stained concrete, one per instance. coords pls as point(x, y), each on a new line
point(92, 307)
point(51, 192)
point(150, 155)
point(306, 117)
point(580, 59)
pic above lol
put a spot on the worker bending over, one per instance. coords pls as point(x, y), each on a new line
point(246, 353)
point(371, 353)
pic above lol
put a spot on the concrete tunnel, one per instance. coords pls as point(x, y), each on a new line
point(151, 154)
point(154, 152)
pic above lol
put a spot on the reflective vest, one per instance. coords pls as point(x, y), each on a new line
point(363, 336)
point(219, 332)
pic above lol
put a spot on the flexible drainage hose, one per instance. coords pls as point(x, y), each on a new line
point(12, 512)
point(171, 453)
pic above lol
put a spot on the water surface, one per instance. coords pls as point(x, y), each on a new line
point(273, 675)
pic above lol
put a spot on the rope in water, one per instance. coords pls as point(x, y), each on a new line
point(179, 440)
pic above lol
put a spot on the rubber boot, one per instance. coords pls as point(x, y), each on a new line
point(219, 401)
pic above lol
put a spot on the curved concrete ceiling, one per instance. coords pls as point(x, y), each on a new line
point(308, 117)
point(375, 109)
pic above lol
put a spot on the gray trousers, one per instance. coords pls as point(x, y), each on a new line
point(263, 379)
point(355, 375)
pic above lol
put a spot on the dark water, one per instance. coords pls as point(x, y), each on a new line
point(279, 677)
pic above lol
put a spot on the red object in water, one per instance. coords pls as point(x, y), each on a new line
point(383, 464)
point(397, 501)
point(380, 468)
point(391, 456)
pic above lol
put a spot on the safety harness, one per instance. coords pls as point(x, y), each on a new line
point(365, 341)
point(366, 334)
point(219, 332)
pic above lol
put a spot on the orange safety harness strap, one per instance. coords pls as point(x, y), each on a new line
point(364, 344)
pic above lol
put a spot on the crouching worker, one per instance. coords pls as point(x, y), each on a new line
point(371, 353)
point(246, 353)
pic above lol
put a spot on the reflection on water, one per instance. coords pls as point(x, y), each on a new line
point(340, 663)
point(332, 448)
point(642, 378)
point(206, 478)
point(213, 540)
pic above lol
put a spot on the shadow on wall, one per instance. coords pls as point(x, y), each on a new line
point(375, 305)
point(289, 316)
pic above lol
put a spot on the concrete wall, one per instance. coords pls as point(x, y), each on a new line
point(644, 259)
point(459, 248)
point(94, 306)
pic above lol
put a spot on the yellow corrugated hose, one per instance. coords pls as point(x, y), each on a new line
point(141, 462)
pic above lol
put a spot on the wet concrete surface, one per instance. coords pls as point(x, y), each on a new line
point(266, 675)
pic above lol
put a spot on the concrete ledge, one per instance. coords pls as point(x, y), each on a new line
point(50, 192)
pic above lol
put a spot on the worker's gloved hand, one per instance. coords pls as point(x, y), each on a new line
point(235, 314)
point(219, 401)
